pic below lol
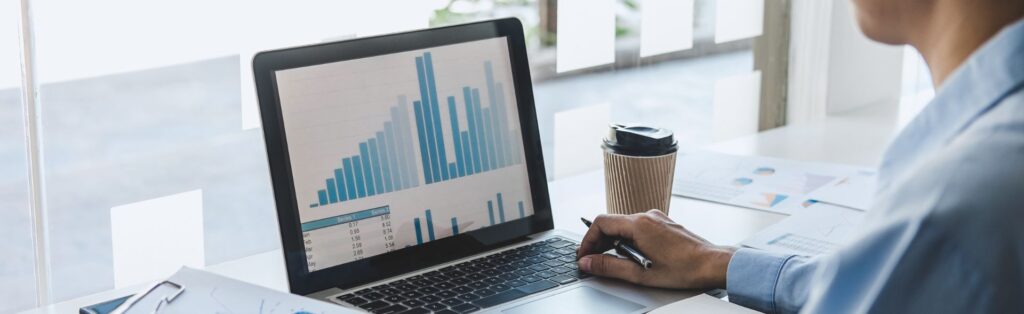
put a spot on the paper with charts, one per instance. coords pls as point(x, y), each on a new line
point(206, 292)
point(819, 228)
point(764, 183)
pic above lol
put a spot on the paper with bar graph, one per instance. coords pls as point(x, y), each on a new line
point(819, 228)
point(401, 149)
point(764, 183)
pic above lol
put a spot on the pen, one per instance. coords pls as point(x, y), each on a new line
point(624, 248)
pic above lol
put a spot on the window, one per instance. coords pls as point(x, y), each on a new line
point(17, 273)
point(149, 107)
point(674, 89)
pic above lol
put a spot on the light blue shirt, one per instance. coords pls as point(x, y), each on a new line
point(946, 232)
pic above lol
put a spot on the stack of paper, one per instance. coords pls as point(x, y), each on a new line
point(771, 184)
point(820, 228)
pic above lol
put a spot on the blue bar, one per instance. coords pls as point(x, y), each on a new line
point(473, 129)
point(419, 232)
point(360, 178)
point(421, 128)
point(412, 179)
point(454, 117)
point(339, 179)
point(489, 131)
point(453, 169)
point(385, 162)
point(393, 157)
point(455, 227)
point(490, 211)
point(332, 191)
point(346, 218)
point(364, 153)
point(350, 182)
point(501, 209)
point(435, 111)
point(428, 121)
point(378, 181)
point(492, 94)
point(522, 212)
point(322, 195)
point(466, 152)
point(430, 226)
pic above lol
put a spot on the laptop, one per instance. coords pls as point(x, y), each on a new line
point(408, 178)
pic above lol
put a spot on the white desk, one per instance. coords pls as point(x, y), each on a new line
point(857, 138)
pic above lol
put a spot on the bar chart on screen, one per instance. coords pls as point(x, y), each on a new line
point(431, 135)
point(385, 162)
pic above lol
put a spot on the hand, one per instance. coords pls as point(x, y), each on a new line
point(681, 259)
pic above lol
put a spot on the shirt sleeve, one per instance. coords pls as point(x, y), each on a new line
point(769, 282)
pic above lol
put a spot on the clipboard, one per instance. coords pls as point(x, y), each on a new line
point(195, 291)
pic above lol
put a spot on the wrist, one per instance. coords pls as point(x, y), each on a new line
point(716, 266)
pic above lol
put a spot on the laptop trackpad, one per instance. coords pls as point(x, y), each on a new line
point(580, 300)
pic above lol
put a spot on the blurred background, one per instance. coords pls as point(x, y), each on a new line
point(114, 103)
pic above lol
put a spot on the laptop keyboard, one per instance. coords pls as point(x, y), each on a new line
point(480, 283)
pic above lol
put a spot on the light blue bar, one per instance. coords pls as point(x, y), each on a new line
point(424, 155)
point(350, 182)
point(339, 179)
point(332, 191)
point(453, 115)
point(496, 109)
point(466, 152)
point(481, 131)
point(505, 132)
point(364, 153)
point(346, 218)
point(455, 227)
point(385, 162)
point(394, 136)
point(419, 231)
point(489, 131)
point(411, 177)
point(430, 226)
point(490, 211)
point(501, 209)
point(473, 129)
point(378, 175)
point(322, 195)
point(428, 120)
point(393, 158)
point(522, 212)
point(360, 178)
point(435, 112)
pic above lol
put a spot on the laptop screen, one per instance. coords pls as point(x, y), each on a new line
point(398, 150)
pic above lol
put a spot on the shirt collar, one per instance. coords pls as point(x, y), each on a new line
point(990, 74)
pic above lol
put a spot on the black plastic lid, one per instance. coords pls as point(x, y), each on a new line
point(638, 140)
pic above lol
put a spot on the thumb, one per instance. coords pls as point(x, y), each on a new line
point(611, 266)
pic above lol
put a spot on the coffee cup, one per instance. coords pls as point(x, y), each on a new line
point(639, 163)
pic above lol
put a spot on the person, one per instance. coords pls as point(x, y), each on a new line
point(946, 232)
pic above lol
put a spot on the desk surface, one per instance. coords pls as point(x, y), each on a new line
point(856, 138)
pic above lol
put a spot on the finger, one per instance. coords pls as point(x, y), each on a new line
point(611, 266)
point(605, 227)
